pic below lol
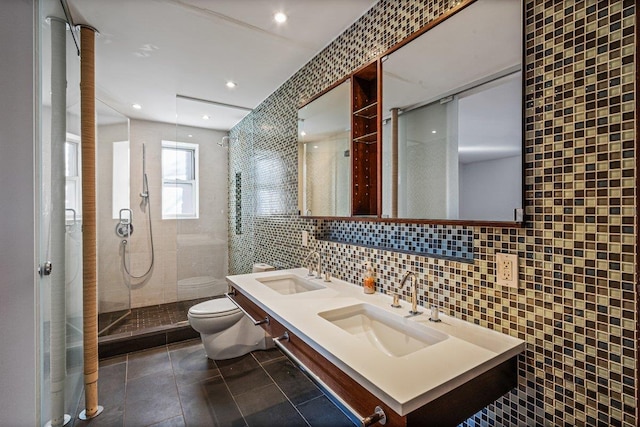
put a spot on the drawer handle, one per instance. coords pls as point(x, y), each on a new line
point(378, 415)
point(283, 337)
point(255, 322)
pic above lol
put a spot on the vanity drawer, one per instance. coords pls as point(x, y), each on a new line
point(346, 388)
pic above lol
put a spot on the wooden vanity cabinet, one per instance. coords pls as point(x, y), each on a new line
point(366, 139)
point(448, 410)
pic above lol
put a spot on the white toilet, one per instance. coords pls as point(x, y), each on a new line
point(225, 331)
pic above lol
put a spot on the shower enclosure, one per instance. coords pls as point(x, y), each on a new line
point(162, 217)
point(162, 220)
point(60, 222)
point(113, 198)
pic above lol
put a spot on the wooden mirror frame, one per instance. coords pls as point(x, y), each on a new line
point(460, 222)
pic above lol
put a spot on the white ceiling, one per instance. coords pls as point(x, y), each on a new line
point(149, 51)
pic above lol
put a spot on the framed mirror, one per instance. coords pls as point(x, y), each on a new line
point(453, 118)
point(324, 132)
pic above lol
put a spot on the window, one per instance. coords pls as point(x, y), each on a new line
point(121, 178)
point(179, 180)
point(73, 184)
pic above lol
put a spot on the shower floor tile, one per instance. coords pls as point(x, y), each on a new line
point(145, 318)
point(146, 327)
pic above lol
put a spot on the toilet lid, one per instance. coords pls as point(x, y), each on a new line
point(214, 307)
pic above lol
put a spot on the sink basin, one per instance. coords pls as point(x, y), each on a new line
point(289, 284)
point(391, 334)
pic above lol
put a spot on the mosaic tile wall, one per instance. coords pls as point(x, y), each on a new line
point(438, 241)
point(576, 306)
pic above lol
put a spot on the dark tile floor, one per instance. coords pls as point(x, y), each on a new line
point(176, 385)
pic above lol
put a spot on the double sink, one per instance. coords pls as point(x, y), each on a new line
point(404, 360)
point(391, 334)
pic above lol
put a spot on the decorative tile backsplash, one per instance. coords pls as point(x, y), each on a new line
point(437, 241)
point(576, 306)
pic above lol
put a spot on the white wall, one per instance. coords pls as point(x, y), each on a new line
point(18, 291)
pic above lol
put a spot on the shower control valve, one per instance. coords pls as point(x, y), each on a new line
point(124, 229)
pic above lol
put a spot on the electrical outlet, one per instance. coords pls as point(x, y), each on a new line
point(507, 270)
point(305, 238)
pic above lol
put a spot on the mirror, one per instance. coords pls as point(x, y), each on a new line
point(452, 118)
point(324, 131)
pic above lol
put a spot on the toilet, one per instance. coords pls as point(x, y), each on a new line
point(224, 329)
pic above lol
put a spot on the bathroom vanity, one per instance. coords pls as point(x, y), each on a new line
point(374, 358)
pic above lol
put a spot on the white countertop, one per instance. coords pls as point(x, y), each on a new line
point(403, 383)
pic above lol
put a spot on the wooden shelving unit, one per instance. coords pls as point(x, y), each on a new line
point(365, 107)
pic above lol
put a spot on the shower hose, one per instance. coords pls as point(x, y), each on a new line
point(145, 196)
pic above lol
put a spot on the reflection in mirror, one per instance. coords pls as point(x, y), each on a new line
point(324, 143)
point(452, 122)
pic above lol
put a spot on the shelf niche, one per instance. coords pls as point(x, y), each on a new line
point(365, 144)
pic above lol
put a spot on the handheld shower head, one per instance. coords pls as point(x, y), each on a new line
point(145, 183)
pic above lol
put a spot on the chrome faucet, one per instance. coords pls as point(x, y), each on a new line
point(318, 265)
point(414, 292)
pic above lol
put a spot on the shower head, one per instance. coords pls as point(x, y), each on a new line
point(225, 141)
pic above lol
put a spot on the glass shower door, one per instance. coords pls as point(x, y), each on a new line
point(115, 220)
point(60, 245)
point(200, 156)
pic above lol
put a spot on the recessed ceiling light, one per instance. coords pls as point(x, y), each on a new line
point(315, 146)
point(231, 84)
point(303, 133)
point(205, 117)
point(190, 136)
point(433, 131)
point(280, 17)
point(136, 106)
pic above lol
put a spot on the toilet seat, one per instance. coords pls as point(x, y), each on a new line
point(218, 307)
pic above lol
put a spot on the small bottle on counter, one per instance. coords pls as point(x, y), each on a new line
point(369, 281)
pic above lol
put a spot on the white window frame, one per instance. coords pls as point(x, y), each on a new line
point(195, 182)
